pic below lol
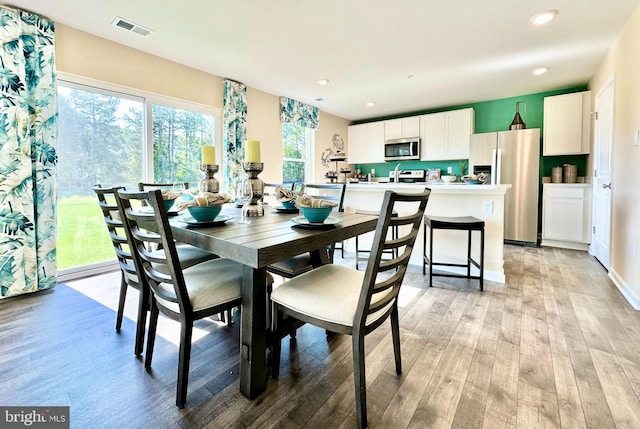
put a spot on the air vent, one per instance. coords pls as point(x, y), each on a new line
point(130, 26)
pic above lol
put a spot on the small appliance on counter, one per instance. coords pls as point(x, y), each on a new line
point(408, 176)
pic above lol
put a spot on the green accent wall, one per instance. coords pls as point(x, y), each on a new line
point(493, 115)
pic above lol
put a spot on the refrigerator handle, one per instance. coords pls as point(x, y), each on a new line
point(496, 166)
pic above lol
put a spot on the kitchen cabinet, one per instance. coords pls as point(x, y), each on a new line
point(566, 215)
point(445, 135)
point(402, 128)
point(567, 124)
point(366, 143)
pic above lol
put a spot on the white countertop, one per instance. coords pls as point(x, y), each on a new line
point(458, 188)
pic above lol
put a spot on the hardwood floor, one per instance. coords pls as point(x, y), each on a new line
point(556, 346)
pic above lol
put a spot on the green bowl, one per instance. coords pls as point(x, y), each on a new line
point(288, 204)
point(316, 214)
point(167, 203)
point(204, 214)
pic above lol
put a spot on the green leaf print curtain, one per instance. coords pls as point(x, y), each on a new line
point(299, 113)
point(234, 132)
point(28, 117)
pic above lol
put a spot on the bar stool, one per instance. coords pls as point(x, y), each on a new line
point(463, 223)
point(394, 235)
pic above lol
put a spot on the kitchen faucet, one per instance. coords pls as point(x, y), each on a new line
point(395, 174)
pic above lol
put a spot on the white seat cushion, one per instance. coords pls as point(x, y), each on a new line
point(329, 293)
point(209, 283)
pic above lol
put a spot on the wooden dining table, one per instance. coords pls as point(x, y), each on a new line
point(266, 239)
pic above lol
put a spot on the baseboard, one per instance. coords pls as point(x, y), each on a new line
point(565, 244)
point(625, 289)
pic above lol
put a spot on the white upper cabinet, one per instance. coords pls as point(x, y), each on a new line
point(446, 135)
point(567, 124)
point(402, 128)
point(366, 143)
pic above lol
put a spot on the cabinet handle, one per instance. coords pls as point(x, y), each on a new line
point(605, 186)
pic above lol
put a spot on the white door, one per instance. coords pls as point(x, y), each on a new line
point(603, 171)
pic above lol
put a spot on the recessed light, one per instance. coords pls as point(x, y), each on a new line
point(543, 18)
point(323, 81)
point(540, 70)
point(370, 103)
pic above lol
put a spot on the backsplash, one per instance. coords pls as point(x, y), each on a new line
point(382, 169)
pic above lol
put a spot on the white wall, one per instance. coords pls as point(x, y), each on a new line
point(623, 62)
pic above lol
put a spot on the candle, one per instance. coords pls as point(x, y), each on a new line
point(252, 151)
point(209, 155)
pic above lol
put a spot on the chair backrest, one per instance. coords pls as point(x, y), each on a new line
point(269, 189)
point(383, 278)
point(337, 194)
point(145, 186)
point(161, 268)
point(113, 219)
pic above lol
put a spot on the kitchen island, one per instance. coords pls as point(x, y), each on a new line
point(485, 202)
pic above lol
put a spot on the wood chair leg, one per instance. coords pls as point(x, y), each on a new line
point(151, 336)
point(277, 345)
point(141, 324)
point(359, 380)
point(121, 300)
point(186, 333)
point(395, 333)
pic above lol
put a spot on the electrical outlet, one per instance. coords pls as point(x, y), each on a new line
point(449, 170)
point(487, 206)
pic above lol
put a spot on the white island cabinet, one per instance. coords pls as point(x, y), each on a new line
point(482, 201)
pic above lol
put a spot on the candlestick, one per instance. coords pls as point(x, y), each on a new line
point(257, 185)
point(209, 183)
point(208, 155)
point(252, 151)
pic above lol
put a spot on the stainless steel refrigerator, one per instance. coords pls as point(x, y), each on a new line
point(512, 157)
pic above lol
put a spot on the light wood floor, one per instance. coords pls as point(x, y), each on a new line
point(556, 346)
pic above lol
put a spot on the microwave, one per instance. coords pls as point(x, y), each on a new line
point(402, 149)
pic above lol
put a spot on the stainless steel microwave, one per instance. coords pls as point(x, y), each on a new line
point(402, 149)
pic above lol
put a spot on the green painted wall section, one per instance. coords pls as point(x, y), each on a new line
point(493, 115)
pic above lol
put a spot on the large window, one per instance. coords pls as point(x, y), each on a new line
point(104, 137)
point(297, 147)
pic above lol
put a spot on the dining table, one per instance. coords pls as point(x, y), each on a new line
point(260, 241)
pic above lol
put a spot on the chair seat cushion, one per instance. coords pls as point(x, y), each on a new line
point(188, 255)
point(209, 284)
point(292, 267)
point(329, 293)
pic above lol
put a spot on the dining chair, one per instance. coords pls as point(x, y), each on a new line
point(182, 294)
point(189, 255)
point(300, 264)
point(347, 301)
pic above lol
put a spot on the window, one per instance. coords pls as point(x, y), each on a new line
point(105, 134)
point(178, 137)
point(297, 147)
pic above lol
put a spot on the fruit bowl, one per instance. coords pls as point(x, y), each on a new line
point(204, 214)
point(316, 214)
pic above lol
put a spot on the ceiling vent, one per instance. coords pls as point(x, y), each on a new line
point(133, 28)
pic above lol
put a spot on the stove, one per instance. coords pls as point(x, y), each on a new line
point(408, 176)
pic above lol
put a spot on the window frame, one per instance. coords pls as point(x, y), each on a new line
point(310, 142)
point(148, 99)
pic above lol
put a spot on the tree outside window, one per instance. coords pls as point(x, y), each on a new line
point(297, 145)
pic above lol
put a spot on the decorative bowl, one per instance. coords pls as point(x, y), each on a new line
point(316, 214)
point(448, 179)
point(204, 214)
point(167, 203)
point(288, 204)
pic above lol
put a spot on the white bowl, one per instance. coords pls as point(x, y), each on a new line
point(449, 179)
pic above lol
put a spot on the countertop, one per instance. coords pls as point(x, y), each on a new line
point(458, 187)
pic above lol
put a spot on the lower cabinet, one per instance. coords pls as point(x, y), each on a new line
point(566, 215)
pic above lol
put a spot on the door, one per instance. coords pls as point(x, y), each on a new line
point(603, 171)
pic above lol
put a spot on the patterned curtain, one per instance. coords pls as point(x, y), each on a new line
point(27, 153)
point(234, 132)
point(299, 113)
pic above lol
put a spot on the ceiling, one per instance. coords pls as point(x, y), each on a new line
point(404, 55)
